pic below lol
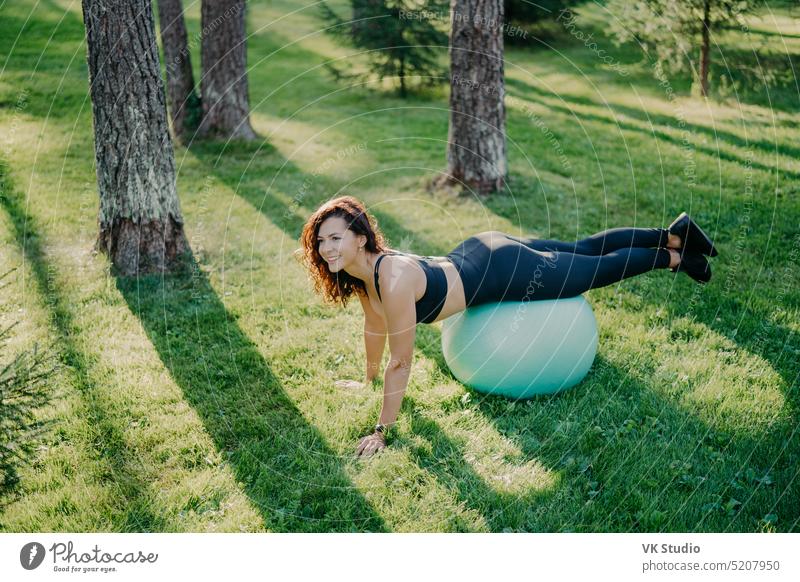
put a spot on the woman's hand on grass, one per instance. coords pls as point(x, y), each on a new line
point(350, 384)
point(371, 444)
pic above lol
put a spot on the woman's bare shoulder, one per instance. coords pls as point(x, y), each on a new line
point(397, 265)
point(400, 277)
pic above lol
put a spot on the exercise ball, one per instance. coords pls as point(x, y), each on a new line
point(521, 349)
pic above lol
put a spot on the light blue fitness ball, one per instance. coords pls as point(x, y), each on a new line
point(521, 349)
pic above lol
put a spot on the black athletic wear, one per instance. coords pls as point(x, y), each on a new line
point(495, 266)
point(695, 265)
point(431, 303)
point(692, 236)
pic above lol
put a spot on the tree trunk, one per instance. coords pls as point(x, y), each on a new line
point(140, 222)
point(704, 51)
point(402, 75)
point(184, 104)
point(476, 154)
point(226, 105)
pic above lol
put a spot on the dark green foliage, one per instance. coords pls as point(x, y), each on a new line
point(671, 32)
point(528, 12)
point(526, 19)
point(402, 39)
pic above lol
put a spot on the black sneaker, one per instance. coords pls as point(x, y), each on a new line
point(692, 236)
point(695, 265)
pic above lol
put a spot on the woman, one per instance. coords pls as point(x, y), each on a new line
point(347, 255)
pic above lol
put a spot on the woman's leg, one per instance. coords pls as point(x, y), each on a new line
point(551, 275)
point(603, 242)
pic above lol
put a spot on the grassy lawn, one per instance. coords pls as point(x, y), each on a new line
point(204, 401)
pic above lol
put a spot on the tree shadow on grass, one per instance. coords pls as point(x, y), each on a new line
point(106, 434)
point(690, 470)
point(752, 326)
point(527, 91)
point(233, 163)
point(630, 460)
point(297, 482)
point(724, 312)
point(767, 33)
point(291, 195)
point(447, 462)
point(764, 78)
point(48, 62)
point(742, 62)
point(655, 120)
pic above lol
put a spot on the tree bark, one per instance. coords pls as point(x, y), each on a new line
point(140, 221)
point(704, 50)
point(476, 154)
point(226, 105)
point(184, 104)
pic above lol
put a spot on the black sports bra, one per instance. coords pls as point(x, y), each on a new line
point(431, 303)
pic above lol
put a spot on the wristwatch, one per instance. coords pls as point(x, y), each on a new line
point(382, 428)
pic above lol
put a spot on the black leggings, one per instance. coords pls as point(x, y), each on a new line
point(495, 266)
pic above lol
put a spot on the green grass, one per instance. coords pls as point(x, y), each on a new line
point(204, 401)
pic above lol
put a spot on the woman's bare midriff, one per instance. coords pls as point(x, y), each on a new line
point(454, 302)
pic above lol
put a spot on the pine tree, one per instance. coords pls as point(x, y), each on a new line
point(401, 39)
point(673, 30)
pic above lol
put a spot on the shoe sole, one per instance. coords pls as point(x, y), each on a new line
point(713, 252)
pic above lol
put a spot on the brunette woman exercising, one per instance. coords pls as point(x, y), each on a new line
point(346, 255)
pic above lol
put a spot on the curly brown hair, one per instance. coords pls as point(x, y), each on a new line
point(338, 287)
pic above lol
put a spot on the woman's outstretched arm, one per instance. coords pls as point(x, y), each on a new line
point(374, 339)
point(401, 324)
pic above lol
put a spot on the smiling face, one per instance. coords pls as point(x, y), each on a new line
point(337, 244)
